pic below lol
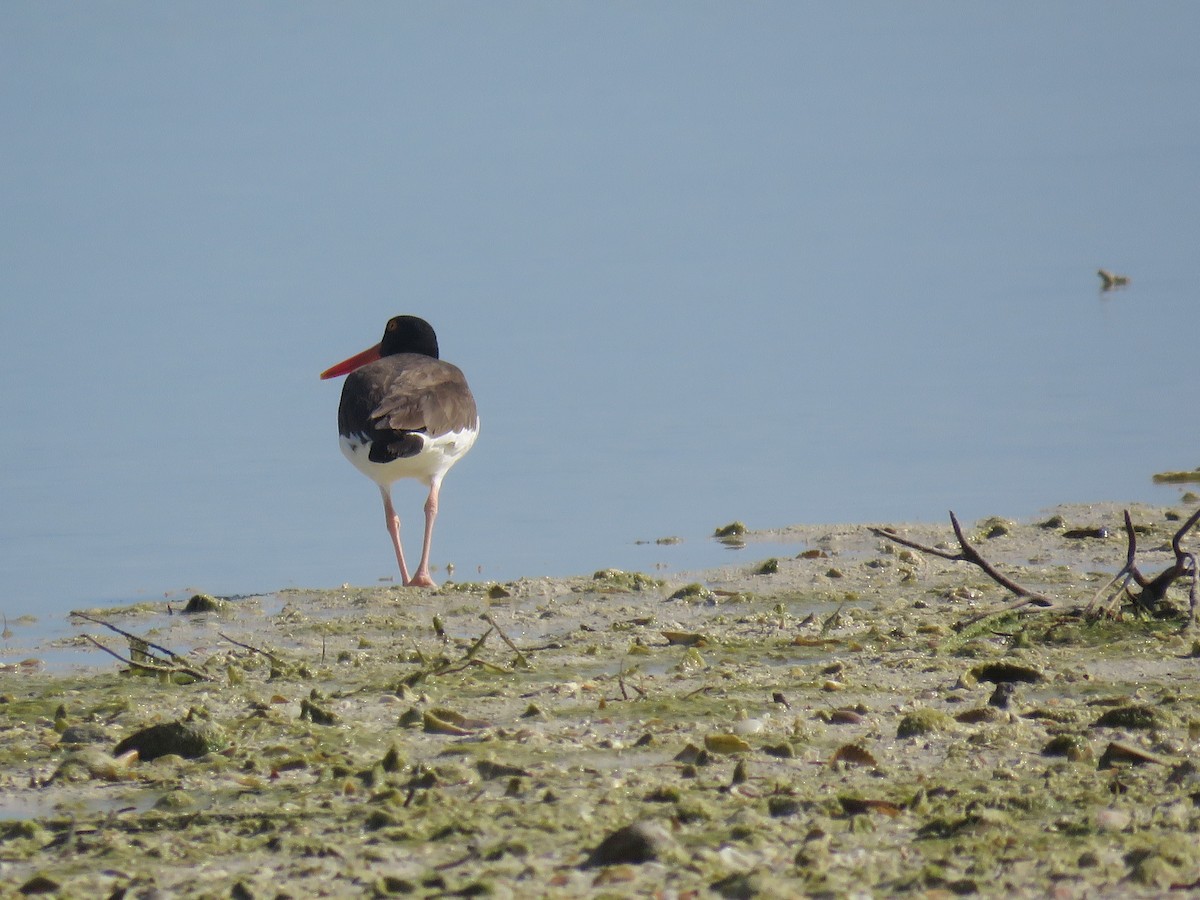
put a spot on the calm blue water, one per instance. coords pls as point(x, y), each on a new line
point(780, 263)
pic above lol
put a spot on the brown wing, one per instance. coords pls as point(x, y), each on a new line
point(407, 392)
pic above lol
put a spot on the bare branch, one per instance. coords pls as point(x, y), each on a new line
point(915, 545)
point(1149, 594)
point(1129, 572)
point(130, 636)
point(151, 667)
point(522, 660)
point(968, 553)
point(971, 555)
point(269, 655)
point(1154, 590)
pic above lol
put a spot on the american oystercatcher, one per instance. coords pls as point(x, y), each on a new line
point(405, 414)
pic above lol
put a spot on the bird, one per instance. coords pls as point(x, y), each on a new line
point(405, 413)
point(1110, 280)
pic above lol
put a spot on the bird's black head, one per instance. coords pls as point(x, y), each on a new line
point(408, 334)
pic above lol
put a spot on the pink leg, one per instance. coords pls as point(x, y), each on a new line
point(422, 577)
point(393, 527)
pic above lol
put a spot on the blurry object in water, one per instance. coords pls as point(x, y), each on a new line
point(1110, 280)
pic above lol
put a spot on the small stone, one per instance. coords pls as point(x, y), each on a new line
point(685, 639)
point(1002, 695)
point(393, 884)
point(769, 567)
point(739, 886)
point(1074, 747)
point(732, 530)
point(694, 592)
point(995, 527)
point(690, 755)
point(85, 733)
point(489, 770)
point(725, 743)
point(1113, 820)
point(924, 721)
point(1079, 534)
point(174, 801)
point(853, 755)
point(977, 716)
point(378, 819)
point(448, 721)
point(1117, 753)
point(633, 844)
point(190, 738)
point(318, 715)
point(780, 807)
point(1132, 717)
point(1006, 673)
point(202, 603)
point(39, 884)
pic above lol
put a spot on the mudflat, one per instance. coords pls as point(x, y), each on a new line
point(859, 718)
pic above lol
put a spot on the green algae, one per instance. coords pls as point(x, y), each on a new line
point(768, 567)
point(924, 721)
point(514, 802)
point(205, 603)
point(616, 579)
point(190, 737)
point(1178, 477)
point(732, 530)
point(1134, 717)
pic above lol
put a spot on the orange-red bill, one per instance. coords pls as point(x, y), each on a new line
point(346, 366)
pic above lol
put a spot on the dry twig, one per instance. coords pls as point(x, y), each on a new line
point(140, 646)
point(268, 654)
point(133, 638)
point(968, 553)
point(1153, 590)
point(522, 660)
point(156, 668)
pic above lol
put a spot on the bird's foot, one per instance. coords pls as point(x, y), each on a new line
point(421, 579)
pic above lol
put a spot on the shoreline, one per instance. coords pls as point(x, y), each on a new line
point(809, 723)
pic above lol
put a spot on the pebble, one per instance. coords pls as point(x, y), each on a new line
point(638, 843)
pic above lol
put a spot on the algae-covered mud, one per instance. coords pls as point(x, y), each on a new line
point(811, 724)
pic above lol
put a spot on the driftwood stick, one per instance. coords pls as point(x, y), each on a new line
point(1149, 594)
point(1124, 577)
point(1128, 572)
point(1131, 552)
point(478, 645)
point(521, 658)
point(968, 553)
point(1184, 529)
point(1152, 591)
point(915, 545)
point(151, 667)
point(267, 653)
point(130, 636)
point(1192, 589)
point(971, 555)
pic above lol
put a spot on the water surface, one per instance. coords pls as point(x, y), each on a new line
point(781, 263)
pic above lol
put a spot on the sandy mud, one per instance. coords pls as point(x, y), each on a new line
point(814, 724)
